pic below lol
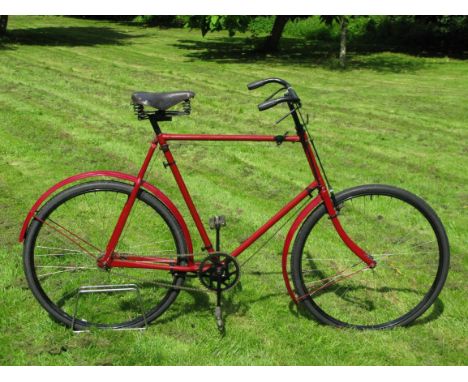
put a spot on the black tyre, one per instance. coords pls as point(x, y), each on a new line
point(72, 230)
point(401, 232)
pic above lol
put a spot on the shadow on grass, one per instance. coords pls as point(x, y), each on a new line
point(64, 36)
point(435, 312)
point(295, 52)
point(200, 303)
point(4, 43)
point(231, 306)
point(364, 304)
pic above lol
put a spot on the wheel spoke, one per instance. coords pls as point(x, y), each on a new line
point(68, 234)
point(67, 243)
point(398, 231)
point(58, 248)
point(64, 269)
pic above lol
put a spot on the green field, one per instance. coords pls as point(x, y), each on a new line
point(65, 88)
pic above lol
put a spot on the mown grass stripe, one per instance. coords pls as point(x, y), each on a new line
point(65, 110)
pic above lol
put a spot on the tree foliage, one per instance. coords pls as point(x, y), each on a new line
point(230, 23)
point(235, 24)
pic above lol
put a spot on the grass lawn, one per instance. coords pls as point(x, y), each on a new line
point(65, 88)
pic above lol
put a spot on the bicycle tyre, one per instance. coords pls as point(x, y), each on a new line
point(63, 312)
point(370, 214)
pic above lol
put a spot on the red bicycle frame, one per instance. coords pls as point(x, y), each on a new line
point(112, 259)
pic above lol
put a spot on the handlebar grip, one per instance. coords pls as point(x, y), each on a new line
point(270, 103)
point(256, 84)
point(259, 83)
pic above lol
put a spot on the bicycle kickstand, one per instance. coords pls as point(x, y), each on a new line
point(218, 311)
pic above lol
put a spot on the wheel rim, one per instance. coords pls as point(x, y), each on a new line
point(62, 264)
point(407, 250)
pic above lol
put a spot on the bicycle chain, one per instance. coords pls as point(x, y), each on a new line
point(165, 285)
point(171, 286)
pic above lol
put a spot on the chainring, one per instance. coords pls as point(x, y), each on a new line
point(219, 271)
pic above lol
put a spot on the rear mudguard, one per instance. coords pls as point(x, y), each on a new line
point(113, 175)
point(305, 212)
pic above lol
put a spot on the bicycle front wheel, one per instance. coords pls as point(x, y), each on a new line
point(400, 231)
point(69, 234)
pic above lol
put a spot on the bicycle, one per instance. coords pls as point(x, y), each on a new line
point(369, 257)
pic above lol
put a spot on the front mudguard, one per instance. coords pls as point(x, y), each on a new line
point(305, 212)
point(113, 175)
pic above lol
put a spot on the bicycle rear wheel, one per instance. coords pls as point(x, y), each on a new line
point(71, 231)
point(400, 231)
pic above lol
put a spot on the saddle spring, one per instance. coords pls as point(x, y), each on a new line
point(141, 113)
point(186, 107)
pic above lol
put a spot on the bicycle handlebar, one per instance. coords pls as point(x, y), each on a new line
point(290, 96)
point(260, 83)
point(271, 102)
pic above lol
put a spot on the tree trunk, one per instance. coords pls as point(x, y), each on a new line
point(3, 25)
point(344, 32)
point(272, 42)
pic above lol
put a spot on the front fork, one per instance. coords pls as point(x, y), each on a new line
point(329, 200)
point(333, 212)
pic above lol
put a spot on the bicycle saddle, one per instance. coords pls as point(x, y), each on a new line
point(161, 101)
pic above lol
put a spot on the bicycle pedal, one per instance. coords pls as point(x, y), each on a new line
point(216, 222)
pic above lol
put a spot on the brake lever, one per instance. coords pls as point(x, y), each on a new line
point(275, 93)
point(285, 116)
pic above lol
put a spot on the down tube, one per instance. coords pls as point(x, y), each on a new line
point(283, 211)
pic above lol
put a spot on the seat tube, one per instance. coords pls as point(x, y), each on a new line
point(106, 259)
point(171, 163)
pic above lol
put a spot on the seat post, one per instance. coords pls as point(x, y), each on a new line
point(154, 122)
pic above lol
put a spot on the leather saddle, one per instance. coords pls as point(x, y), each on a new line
point(161, 101)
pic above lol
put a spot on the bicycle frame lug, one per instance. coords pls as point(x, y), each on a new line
point(373, 264)
point(101, 263)
point(168, 164)
point(279, 139)
point(310, 190)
